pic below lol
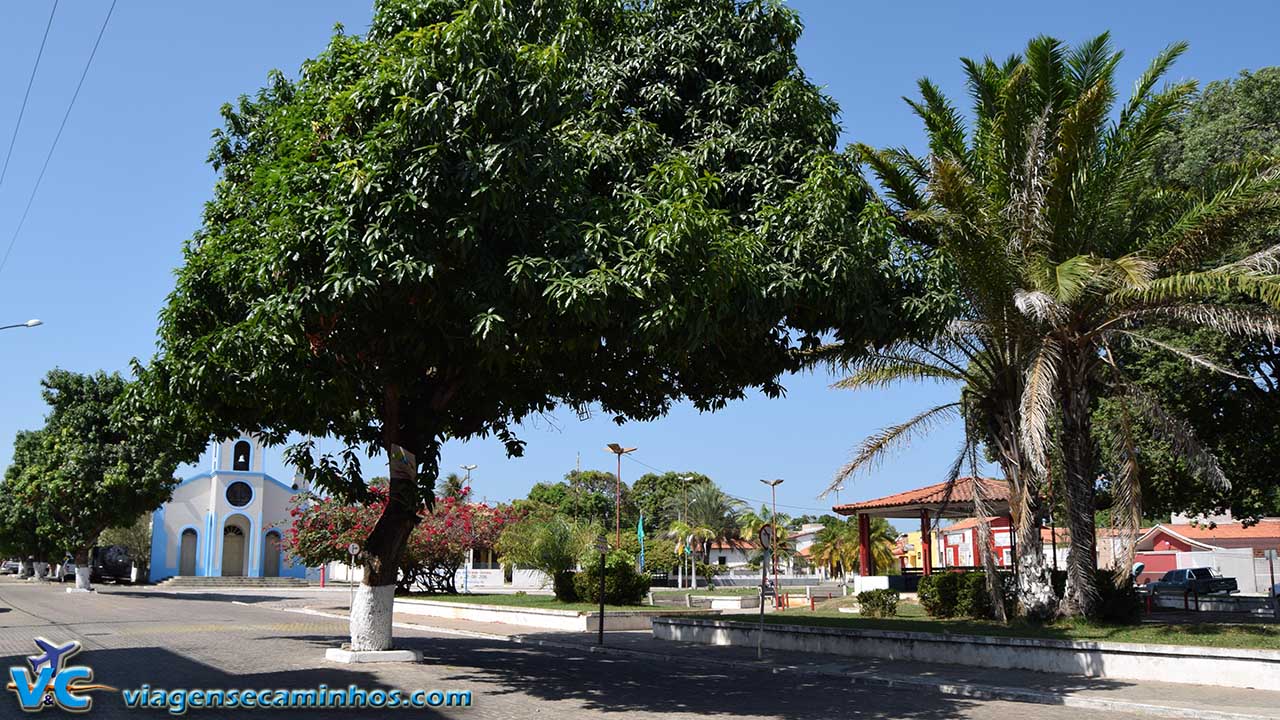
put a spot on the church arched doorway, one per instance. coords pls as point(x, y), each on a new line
point(187, 553)
point(234, 547)
point(271, 555)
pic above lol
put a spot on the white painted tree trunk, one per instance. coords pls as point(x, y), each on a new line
point(42, 571)
point(24, 567)
point(371, 617)
point(82, 577)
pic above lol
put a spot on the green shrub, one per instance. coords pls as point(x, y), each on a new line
point(562, 584)
point(878, 603)
point(938, 593)
point(972, 599)
point(1118, 603)
point(622, 584)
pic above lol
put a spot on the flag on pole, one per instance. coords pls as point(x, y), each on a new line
point(640, 536)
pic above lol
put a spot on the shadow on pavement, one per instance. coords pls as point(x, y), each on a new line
point(601, 684)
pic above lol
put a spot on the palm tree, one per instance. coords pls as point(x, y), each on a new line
point(1048, 212)
point(837, 546)
point(987, 359)
point(710, 516)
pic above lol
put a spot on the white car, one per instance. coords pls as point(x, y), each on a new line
point(9, 567)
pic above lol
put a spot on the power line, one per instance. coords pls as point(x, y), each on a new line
point(739, 497)
point(30, 81)
point(83, 74)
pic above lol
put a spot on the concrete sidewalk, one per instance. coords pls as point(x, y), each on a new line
point(1158, 699)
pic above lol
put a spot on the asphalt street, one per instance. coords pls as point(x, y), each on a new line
point(137, 637)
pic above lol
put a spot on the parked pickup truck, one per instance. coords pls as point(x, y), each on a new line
point(1201, 580)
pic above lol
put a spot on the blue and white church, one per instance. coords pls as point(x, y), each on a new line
point(226, 522)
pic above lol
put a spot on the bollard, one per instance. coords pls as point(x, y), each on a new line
point(688, 600)
point(844, 590)
point(812, 602)
point(651, 603)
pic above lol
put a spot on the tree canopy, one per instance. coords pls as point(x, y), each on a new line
point(477, 211)
point(90, 468)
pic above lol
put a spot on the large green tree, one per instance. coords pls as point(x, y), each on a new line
point(1048, 208)
point(92, 466)
point(1229, 121)
point(481, 209)
point(19, 523)
point(653, 493)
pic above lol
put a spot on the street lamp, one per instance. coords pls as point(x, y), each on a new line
point(30, 323)
point(468, 469)
point(773, 522)
point(618, 450)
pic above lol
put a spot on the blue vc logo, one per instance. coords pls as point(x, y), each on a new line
point(50, 682)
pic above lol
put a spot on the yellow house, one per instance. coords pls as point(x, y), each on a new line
point(908, 551)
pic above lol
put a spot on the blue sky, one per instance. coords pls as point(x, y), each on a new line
point(127, 181)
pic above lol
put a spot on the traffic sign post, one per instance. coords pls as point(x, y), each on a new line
point(353, 550)
point(603, 546)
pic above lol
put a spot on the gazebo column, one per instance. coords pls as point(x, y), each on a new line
point(926, 543)
point(864, 545)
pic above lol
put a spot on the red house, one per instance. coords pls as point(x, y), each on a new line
point(960, 543)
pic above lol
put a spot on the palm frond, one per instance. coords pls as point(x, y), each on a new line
point(1038, 406)
point(878, 445)
point(886, 374)
point(1175, 431)
point(1039, 306)
point(1187, 354)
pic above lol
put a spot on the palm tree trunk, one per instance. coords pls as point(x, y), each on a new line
point(1036, 599)
point(1078, 460)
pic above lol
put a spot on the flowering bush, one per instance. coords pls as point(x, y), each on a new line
point(322, 528)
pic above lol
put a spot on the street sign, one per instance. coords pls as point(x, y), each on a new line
point(766, 537)
point(353, 549)
point(602, 544)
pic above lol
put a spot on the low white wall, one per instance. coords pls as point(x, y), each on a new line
point(562, 620)
point(1258, 669)
point(727, 602)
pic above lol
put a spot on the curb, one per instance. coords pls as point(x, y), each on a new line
point(898, 682)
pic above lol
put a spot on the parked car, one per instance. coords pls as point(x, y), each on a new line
point(111, 562)
point(9, 567)
point(1201, 580)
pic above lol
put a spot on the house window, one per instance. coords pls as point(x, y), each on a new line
point(240, 456)
point(722, 560)
point(239, 494)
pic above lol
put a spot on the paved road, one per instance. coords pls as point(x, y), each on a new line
point(205, 641)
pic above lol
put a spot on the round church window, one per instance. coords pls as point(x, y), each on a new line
point(239, 494)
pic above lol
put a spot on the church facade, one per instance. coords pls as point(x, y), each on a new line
point(228, 521)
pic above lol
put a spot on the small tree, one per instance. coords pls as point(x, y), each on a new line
point(439, 544)
point(93, 466)
point(551, 545)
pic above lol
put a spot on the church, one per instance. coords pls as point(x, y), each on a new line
point(226, 522)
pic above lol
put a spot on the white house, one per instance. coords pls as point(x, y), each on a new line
point(225, 522)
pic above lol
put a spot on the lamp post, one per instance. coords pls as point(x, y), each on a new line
point(618, 450)
point(28, 324)
point(684, 491)
point(773, 522)
point(471, 552)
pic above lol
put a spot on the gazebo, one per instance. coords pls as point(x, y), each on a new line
point(926, 503)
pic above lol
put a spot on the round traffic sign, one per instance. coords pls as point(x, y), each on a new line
point(766, 537)
point(353, 549)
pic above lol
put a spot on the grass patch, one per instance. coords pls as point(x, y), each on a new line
point(912, 618)
point(545, 602)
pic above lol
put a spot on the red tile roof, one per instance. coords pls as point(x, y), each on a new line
point(933, 496)
point(1264, 530)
